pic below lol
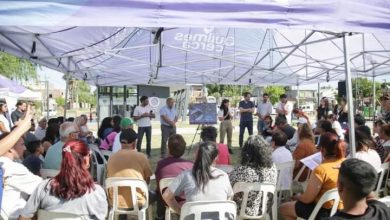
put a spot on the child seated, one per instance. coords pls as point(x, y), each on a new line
point(33, 161)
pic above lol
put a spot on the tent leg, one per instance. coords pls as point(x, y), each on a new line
point(66, 94)
point(373, 97)
point(348, 80)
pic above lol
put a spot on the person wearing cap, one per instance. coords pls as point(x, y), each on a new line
point(143, 115)
point(264, 109)
point(284, 109)
point(125, 123)
point(356, 180)
point(129, 163)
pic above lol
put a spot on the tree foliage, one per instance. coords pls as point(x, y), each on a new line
point(84, 92)
point(16, 68)
point(274, 92)
point(364, 87)
point(228, 90)
point(60, 101)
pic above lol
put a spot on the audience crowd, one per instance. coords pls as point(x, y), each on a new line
point(66, 146)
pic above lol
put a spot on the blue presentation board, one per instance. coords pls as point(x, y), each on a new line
point(203, 113)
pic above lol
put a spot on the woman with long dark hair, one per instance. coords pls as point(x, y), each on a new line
point(323, 178)
point(72, 190)
point(203, 183)
point(256, 166)
point(108, 141)
point(365, 145)
point(52, 135)
point(305, 148)
point(105, 128)
point(226, 126)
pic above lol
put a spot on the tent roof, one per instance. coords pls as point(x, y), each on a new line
point(83, 38)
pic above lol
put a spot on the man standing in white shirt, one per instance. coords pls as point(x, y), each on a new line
point(282, 155)
point(284, 109)
point(18, 181)
point(143, 115)
point(168, 118)
point(263, 109)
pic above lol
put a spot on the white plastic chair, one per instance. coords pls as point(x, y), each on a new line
point(114, 183)
point(46, 215)
point(48, 173)
point(225, 168)
point(300, 172)
point(197, 208)
point(264, 188)
point(381, 188)
point(164, 183)
point(328, 196)
point(99, 168)
point(289, 166)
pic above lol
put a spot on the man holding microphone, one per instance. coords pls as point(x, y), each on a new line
point(168, 118)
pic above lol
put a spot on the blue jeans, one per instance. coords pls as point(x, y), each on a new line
point(243, 125)
point(141, 132)
point(260, 126)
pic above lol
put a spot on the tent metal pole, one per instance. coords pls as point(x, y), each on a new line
point(66, 93)
point(348, 80)
point(373, 99)
point(47, 99)
point(67, 79)
point(298, 105)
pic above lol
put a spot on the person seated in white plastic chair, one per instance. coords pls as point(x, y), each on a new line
point(203, 183)
point(323, 178)
point(256, 166)
point(72, 190)
point(357, 179)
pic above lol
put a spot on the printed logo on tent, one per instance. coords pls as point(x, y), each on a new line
point(209, 40)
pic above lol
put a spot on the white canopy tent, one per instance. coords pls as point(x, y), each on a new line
point(258, 42)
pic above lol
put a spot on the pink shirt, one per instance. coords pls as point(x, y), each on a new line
point(108, 141)
point(223, 155)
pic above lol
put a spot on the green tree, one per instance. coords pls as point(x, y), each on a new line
point(84, 93)
point(274, 92)
point(17, 68)
point(364, 87)
point(60, 101)
point(228, 90)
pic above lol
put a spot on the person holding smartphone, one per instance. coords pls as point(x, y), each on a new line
point(143, 115)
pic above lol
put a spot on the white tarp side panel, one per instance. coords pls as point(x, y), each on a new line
point(128, 56)
point(332, 15)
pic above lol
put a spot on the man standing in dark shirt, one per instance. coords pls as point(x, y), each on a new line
point(357, 179)
point(246, 107)
point(17, 114)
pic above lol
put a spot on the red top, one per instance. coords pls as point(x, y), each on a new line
point(223, 155)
